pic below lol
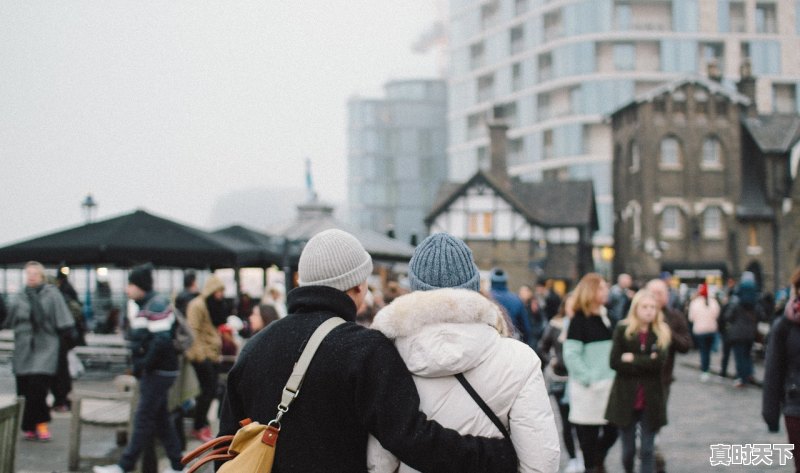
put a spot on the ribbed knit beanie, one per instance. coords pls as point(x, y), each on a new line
point(442, 260)
point(334, 258)
point(142, 277)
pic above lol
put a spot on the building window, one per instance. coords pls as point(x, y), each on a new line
point(624, 57)
point(543, 106)
point(721, 107)
point(476, 125)
point(622, 16)
point(659, 105)
point(507, 113)
point(752, 236)
point(516, 151)
point(516, 40)
point(547, 144)
point(476, 55)
point(552, 25)
point(701, 104)
point(545, 67)
point(480, 224)
point(738, 22)
point(489, 13)
point(712, 153)
point(635, 159)
point(516, 76)
point(671, 222)
point(766, 18)
point(679, 105)
point(712, 223)
point(520, 7)
point(670, 153)
point(485, 87)
point(784, 98)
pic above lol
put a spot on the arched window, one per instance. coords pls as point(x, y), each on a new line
point(670, 153)
point(635, 159)
point(712, 153)
point(712, 222)
point(671, 222)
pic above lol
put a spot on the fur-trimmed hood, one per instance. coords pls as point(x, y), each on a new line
point(441, 332)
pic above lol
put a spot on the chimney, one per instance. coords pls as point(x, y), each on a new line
point(747, 85)
point(712, 69)
point(497, 149)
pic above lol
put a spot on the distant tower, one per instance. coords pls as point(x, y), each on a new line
point(310, 192)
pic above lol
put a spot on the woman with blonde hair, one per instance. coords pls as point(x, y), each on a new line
point(640, 346)
point(586, 355)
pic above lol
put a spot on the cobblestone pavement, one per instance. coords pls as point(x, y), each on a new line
point(700, 414)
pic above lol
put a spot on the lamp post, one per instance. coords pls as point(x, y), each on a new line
point(88, 206)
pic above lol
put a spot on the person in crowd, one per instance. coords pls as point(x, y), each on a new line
point(638, 352)
point(155, 364)
point(586, 355)
point(41, 322)
point(445, 328)
point(703, 314)
point(549, 299)
point(741, 316)
point(356, 385)
point(261, 316)
point(781, 389)
point(206, 351)
point(511, 303)
point(188, 293)
point(536, 316)
point(276, 296)
point(62, 381)
point(619, 299)
point(681, 342)
point(551, 350)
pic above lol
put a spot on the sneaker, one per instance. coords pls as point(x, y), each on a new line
point(43, 432)
point(203, 435)
point(738, 383)
point(574, 466)
point(61, 408)
point(704, 377)
point(29, 435)
point(108, 469)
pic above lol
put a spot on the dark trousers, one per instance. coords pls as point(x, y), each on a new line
point(62, 381)
point(33, 387)
point(726, 356)
point(566, 427)
point(206, 372)
point(793, 429)
point(647, 441)
point(152, 420)
point(744, 360)
point(596, 441)
point(704, 343)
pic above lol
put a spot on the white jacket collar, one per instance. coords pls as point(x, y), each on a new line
point(441, 332)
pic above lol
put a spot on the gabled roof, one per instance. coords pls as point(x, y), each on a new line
point(713, 87)
point(547, 204)
point(774, 133)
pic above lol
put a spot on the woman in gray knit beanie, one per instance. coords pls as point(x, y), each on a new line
point(445, 328)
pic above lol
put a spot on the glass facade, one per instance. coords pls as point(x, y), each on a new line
point(567, 64)
point(397, 156)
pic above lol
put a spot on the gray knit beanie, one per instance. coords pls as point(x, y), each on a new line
point(334, 258)
point(442, 260)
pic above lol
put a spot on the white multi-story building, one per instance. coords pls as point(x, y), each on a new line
point(397, 156)
point(555, 69)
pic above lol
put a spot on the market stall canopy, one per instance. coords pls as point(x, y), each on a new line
point(135, 238)
point(271, 246)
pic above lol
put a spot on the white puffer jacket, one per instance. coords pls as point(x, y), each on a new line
point(448, 331)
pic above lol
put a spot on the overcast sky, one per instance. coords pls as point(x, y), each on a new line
point(170, 105)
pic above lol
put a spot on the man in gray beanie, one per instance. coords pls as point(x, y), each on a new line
point(356, 385)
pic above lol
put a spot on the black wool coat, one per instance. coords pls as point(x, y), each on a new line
point(356, 384)
point(642, 370)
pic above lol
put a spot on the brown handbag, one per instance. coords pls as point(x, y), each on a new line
point(252, 448)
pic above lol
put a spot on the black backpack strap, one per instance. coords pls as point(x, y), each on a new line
point(486, 409)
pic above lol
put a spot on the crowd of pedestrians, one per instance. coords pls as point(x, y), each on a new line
point(445, 370)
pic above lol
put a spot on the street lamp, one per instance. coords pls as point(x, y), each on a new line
point(88, 206)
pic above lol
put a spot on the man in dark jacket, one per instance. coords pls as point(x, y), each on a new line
point(512, 305)
point(357, 383)
point(155, 364)
point(782, 371)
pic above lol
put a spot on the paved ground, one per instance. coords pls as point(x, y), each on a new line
point(700, 414)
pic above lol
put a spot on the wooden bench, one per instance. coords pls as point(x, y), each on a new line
point(114, 410)
point(10, 418)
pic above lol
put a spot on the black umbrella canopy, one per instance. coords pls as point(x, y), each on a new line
point(132, 239)
point(272, 247)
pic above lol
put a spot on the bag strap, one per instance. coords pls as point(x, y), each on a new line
point(486, 409)
point(292, 388)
